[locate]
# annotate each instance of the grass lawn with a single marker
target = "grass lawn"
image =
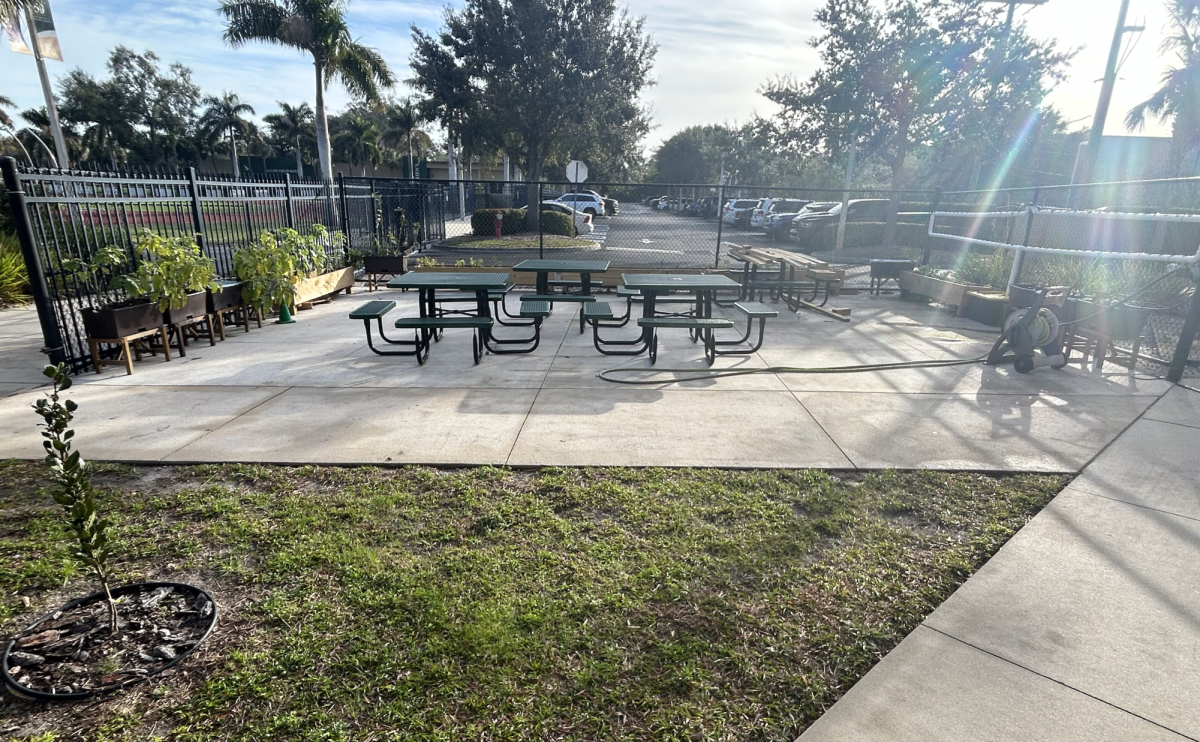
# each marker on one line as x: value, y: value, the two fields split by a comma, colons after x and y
x: 487, y: 604
x: 522, y: 241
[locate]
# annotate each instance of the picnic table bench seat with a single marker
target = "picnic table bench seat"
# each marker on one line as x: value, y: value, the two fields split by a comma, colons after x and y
x: 753, y: 310
x: 426, y: 328
x: 373, y: 310
x: 568, y: 283
x: 562, y: 298
x: 685, y: 323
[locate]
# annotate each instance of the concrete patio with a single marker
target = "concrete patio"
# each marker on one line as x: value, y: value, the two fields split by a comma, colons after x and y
x: 313, y: 392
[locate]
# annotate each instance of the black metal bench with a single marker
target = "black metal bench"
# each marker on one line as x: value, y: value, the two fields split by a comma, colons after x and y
x: 535, y: 312
x: 425, y: 327
x: 700, y: 329
x: 562, y: 299
x: 375, y: 310
x: 754, y: 311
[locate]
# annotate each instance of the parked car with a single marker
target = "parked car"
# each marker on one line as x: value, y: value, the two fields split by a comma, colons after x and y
x: 589, y: 202
x: 804, y: 226
x: 769, y: 206
x: 583, y: 222
x: 612, y: 206
x: 737, y: 212
x: 652, y: 202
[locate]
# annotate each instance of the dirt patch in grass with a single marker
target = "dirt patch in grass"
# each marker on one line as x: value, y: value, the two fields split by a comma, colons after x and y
x: 567, y: 604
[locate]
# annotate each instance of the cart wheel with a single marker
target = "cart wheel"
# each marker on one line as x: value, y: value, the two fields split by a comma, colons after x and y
x: 1023, y: 364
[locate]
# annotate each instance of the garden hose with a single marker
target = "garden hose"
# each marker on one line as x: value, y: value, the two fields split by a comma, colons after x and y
x: 693, y: 374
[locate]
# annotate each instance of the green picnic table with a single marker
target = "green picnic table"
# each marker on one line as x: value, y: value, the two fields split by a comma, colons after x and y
x: 543, y: 269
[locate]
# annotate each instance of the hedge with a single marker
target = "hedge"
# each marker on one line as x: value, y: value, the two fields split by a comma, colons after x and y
x: 483, y: 221
x: 554, y: 222
x: 868, y: 234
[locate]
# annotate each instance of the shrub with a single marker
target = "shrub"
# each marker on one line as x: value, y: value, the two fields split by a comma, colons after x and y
x: 14, y: 281
x: 869, y: 234
x: 555, y: 223
x: 483, y: 222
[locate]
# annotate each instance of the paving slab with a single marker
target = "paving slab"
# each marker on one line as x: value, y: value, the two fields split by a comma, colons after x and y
x: 642, y: 427
x: 988, y: 432
x: 1180, y: 406
x: 1099, y: 595
x: 227, y: 365
x: 1155, y: 465
x: 932, y: 688
x: 129, y: 423
x: 1065, y: 382
x: 895, y: 381
x: 392, y: 426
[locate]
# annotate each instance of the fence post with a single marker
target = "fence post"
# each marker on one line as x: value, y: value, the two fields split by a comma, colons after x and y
x: 1187, y: 336
x: 720, y: 220
x: 1014, y: 278
x: 51, y: 335
x: 933, y: 207
x: 343, y: 213
x: 197, y: 215
x: 541, y: 234
x: 291, y: 209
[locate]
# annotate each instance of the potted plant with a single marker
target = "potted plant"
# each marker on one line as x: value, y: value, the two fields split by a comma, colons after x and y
x: 168, y: 283
x: 319, y: 274
x: 945, y: 286
x: 114, y: 637
x: 390, y: 255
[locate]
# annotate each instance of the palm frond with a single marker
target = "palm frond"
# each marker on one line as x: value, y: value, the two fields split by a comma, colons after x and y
x: 255, y: 20
x: 362, y: 70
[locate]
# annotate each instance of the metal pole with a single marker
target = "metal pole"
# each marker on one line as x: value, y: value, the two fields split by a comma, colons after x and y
x: 1096, y: 137
x: 291, y: 208
x: 541, y: 234
x: 1187, y: 336
x: 841, y: 233
x: 1014, y: 277
x: 344, y: 211
x: 197, y: 214
x: 720, y: 213
x: 937, y: 201
x: 60, y: 144
x: 51, y: 335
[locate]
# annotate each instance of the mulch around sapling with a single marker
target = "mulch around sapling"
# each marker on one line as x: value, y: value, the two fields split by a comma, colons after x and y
x: 74, y: 651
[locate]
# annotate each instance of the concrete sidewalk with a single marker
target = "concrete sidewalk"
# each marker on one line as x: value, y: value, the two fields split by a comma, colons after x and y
x: 313, y: 392
x: 1085, y: 626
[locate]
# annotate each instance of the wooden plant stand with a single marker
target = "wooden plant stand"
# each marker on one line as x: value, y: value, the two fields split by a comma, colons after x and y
x: 186, y: 330
x: 132, y: 346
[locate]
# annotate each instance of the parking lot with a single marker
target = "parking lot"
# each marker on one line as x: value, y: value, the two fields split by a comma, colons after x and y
x: 638, y: 236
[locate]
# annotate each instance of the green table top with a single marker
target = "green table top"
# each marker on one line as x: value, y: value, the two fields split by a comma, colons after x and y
x: 562, y: 266
x: 453, y: 281
x: 671, y: 282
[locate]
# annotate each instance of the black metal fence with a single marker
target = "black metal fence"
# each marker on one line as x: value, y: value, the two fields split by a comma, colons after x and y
x: 69, y: 215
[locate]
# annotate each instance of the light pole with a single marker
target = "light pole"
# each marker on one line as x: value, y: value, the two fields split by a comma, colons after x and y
x: 1096, y: 136
x: 35, y: 46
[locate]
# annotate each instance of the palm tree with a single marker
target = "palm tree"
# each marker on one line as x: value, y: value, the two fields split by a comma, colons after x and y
x: 223, y: 115
x: 319, y: 28
x: 6, y: 125
x: 292, y: 124
x: 358, y: 141
x: 1178, y: 97
x: 8, y: 8
x: 401, y: 122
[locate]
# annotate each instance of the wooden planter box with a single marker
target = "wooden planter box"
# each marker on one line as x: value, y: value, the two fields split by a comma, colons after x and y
x: 326, y: 284
x: 394, y: 265
x: 109, y: 323
x: 226, y: 297
x: 944, y: 292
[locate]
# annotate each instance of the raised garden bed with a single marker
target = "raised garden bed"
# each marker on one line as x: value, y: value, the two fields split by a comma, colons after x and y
x: 950, y: 293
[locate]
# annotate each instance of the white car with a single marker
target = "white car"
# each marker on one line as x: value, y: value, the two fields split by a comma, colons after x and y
x: 589, y: 202
x: 583, y: 222
x: 768, y: 206
x: 736, y: 211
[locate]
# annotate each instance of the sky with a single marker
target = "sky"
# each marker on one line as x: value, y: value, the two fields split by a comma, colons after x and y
x: 712, y: 60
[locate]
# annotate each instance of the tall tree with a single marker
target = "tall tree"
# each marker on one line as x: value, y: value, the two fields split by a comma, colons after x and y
x: 358, y: 142
x: 1178, y: 97
x: 223, y: 115
x: 319, y: 28
x: 401, y: 122
x: 911, y: 75
x: 294, y: 125
x: 8, y: 127
x: 534, y: 78
x: 104, y: 111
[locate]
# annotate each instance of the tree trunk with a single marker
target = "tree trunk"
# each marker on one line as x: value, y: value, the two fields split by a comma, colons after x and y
x: 412, y: 172
x: 237, y: 172
x: 889, y: 228
x: 322, y: 126
x: 533, y: 211
x: 299, y: 162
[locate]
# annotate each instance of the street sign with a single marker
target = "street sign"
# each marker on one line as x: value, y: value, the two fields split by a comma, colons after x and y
x: 576, y: 172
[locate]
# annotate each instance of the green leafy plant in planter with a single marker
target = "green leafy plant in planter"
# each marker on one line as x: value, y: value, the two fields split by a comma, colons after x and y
x: 169, y: 273
x: 270, y: 268
x: 73, y: 486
